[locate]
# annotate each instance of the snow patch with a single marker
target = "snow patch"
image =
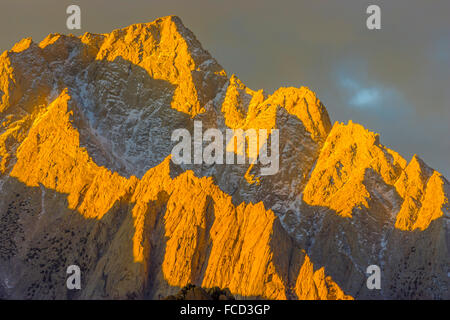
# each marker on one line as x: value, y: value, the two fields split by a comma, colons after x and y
x: 7, y: 284
x: 42, y: 202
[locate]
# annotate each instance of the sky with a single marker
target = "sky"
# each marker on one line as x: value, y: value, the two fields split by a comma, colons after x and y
x: 394, y: 81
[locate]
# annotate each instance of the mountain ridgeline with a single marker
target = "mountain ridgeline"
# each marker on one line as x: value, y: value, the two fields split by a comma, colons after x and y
x: 86, y: 179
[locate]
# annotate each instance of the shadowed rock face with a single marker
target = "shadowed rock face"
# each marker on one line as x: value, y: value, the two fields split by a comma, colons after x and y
x: 86, y: 179
x: 192, y: 292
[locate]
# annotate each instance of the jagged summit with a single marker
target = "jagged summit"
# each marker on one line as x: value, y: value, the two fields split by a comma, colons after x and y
x: 86, y: 178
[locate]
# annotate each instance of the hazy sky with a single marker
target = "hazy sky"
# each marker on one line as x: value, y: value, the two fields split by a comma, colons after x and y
x: 394, y: 81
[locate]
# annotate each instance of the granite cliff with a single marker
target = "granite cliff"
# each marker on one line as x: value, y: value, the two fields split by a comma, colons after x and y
x: 86, y: 178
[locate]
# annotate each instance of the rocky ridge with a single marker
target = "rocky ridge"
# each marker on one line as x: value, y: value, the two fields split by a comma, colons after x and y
x: 86, y: 179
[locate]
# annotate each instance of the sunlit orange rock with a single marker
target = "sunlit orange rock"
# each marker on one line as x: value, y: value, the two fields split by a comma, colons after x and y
x: 72, y: 193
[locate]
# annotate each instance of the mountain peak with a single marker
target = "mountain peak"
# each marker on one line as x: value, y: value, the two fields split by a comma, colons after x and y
x: 169, y: 51
x: 86, y: 176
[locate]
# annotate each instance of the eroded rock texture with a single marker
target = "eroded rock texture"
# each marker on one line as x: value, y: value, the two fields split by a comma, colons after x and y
x: 86, y: 178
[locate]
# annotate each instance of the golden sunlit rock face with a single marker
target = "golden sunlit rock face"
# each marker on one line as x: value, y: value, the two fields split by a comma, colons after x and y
x: 338, y: 180
x: 86, y: 178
